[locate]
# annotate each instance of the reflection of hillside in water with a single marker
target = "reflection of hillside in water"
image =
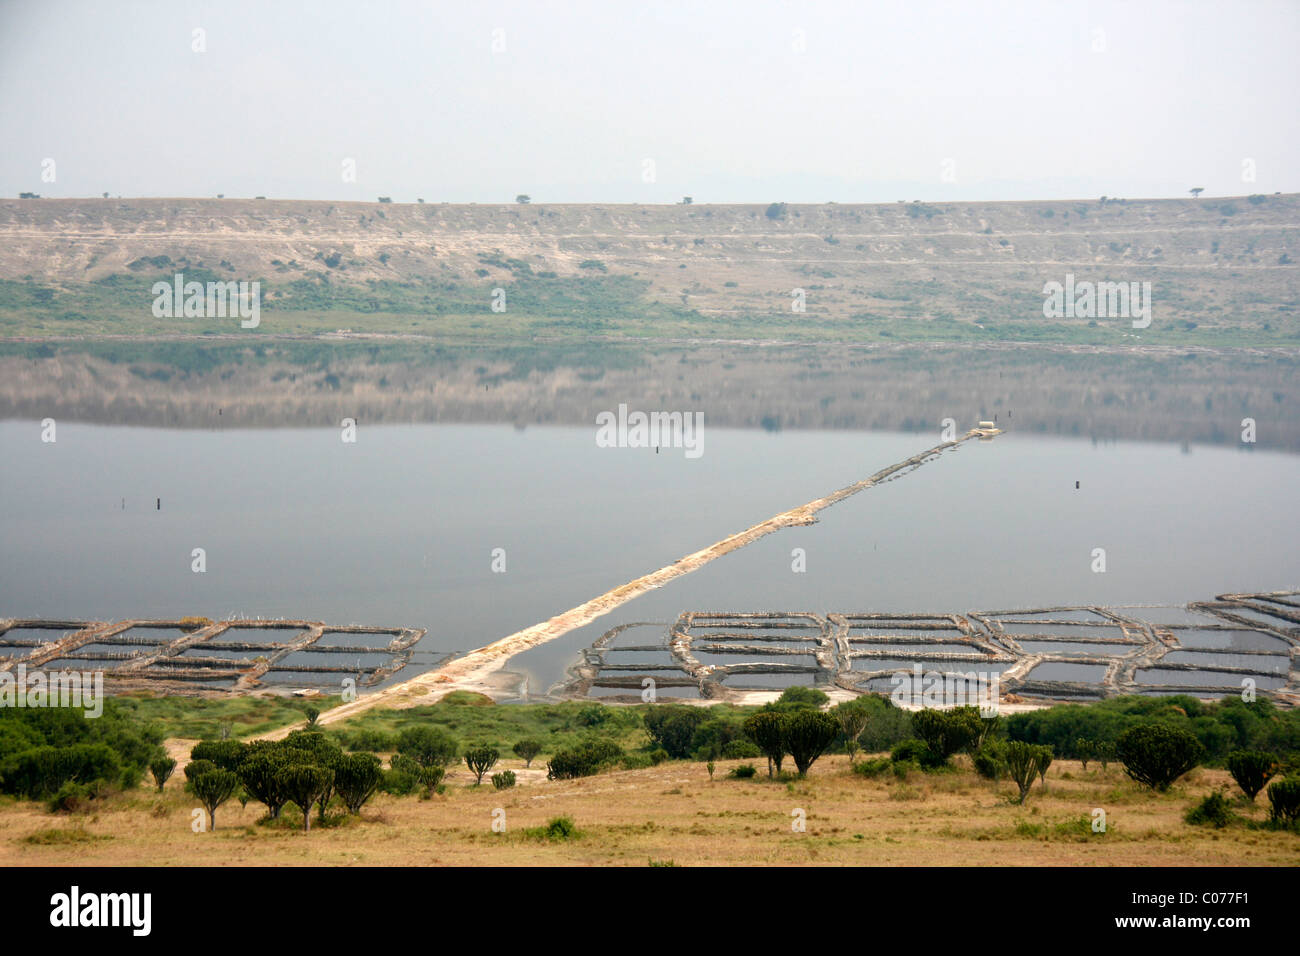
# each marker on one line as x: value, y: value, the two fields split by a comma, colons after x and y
x: 1179, y: 396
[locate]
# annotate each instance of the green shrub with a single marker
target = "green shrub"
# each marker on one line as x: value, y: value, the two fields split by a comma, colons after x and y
x: 874, y: 767
x: 558, y: 828
x: 990, y: 760
x: 405, y: 764
x: 428, y: 746
x: 744, y: 772
x: 70, y: 798
x: 582, y: 761
x: 592, y: 715
x: 795, y: 698
x: 42, y: 771
x: 637, y: 761
x: 917, y: 752
x: 398, y: 783
x: 1252, y: 769
x: 1158, y: 754
x: 720, y: 729
x: 370, y: 741
x: 1221, y: 727
x: 740, y: 749
x: 1211, y: 811
x: 503, y: 780
x: 603, y: 751
x: 887, y: 724
x: 561, y: 828
x: 673, y: 727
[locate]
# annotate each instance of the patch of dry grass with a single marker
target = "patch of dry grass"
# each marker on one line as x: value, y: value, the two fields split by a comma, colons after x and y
x: 673, y: 813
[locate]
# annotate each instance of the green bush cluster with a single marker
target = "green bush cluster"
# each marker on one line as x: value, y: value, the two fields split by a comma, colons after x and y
x: 1212, y: 811
x: 802, y: 733
x: 583, y: 761
x: 1221, y: 726
x: 44, y: 748
x: 306, y: 768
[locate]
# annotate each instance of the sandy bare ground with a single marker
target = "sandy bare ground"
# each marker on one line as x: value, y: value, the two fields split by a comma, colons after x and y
x: 479, y: 669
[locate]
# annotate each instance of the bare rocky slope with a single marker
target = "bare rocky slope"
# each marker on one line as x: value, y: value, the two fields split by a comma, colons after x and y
x: 1210, y: 260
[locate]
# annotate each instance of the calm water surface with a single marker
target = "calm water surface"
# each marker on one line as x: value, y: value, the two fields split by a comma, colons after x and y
x: 400, y: 527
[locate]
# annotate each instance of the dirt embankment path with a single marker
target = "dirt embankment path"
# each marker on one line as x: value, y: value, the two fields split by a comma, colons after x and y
x: 476, y: 669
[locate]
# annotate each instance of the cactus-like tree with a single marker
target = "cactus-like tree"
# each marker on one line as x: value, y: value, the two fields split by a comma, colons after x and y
x: 946, y: 732
x: 260, y: 775
x: 1158, y: 754
x: 430, y: 778
x: 1284, y: 801
x: 226, y: 754
x: 162, y: 769
x: 527, y: 749
x: 1086, y: 750
x: 303, y: 784
x: 480, y: 760
x: 356, y: 777
x: 213, y: 789
x: 1022, y: 762
x: 1252, y: 769
x: 852, y: 718
x: 1043, y: 760
x: 807, y: 734
x: 765, y: 730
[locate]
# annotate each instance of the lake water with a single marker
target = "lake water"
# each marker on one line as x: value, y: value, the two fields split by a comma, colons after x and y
x: 399, y: 528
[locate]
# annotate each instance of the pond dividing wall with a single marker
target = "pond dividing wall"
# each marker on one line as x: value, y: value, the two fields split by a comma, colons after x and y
x: 197, y: 656
x: 1210, y: 648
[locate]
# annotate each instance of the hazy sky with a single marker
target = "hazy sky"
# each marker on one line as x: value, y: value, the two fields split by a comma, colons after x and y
x: 732, y: 102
